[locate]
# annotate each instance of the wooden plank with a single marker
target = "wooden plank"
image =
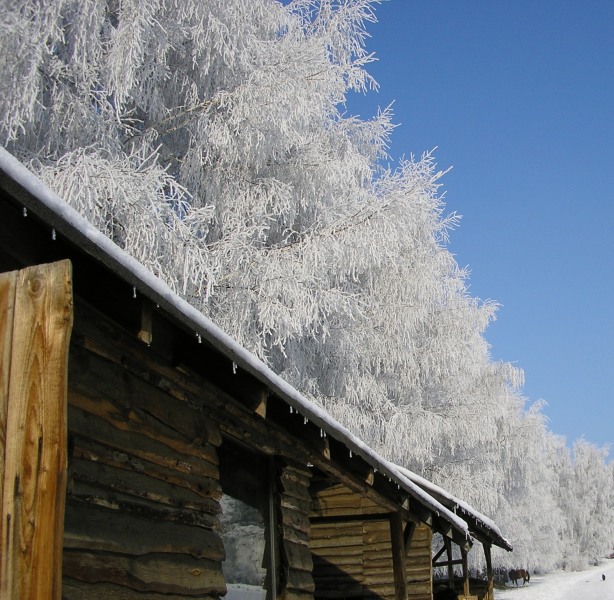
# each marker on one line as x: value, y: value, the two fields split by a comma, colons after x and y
x: 140, y: 485
x: 490, y: 594
x: 133, y: 396
x: 7, y: 305
x: 339, y: 541
x: 88, y: 450
x: 295, y: 520
x: 94, y: 528
x: 143, y: 446
x: 297, y: 556
x: 397, y: 540
x: 299, y: 580
x: 72, y: 589
x: 91, y: 493
x: 159, y: 573
x: 34, y: 478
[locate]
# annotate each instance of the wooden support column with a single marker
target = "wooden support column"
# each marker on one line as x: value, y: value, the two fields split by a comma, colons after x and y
x: 465, y: 572
x: 448, y: 546
x: 397, y: 539
x: 35, y: 325
x: 489, y: 572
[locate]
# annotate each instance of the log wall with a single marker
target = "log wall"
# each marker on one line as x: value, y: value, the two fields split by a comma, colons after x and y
x: 143, y: 489
x: 353, y: 556
x: 144, y: 482
x: 419, y: 565
x: 295, y: 531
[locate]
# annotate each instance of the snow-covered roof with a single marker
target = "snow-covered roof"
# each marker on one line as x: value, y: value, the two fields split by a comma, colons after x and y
x: 66, y: 221
x: 479, y: 525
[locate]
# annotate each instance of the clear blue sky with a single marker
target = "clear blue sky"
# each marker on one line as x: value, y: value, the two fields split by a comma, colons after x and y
x: 518, y: 97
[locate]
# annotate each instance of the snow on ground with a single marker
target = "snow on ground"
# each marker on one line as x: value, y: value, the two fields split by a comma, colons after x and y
x: 580, y: 585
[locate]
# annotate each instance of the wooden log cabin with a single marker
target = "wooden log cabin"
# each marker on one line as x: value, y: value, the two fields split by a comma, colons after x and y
x: 146, y: 455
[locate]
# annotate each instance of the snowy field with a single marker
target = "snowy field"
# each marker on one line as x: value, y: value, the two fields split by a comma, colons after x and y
x: 583, y: 585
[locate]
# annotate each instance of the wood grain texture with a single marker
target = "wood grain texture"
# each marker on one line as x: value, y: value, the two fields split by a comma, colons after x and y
x: 34, y: 477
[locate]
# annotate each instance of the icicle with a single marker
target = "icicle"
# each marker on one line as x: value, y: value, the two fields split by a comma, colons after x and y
x: 291, y: 411
x: 200, y: 340
x: 53, y: 233
x: 134, y: 291
x: 305, y: 421
x: 234, y: 367
x: 350, y: 454
x: 25, y: 211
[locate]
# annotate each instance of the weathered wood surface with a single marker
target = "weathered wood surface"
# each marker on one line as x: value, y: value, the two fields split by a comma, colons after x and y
x: 154, y: 572
x: 398, y: 556
x: 35, y: 324
x: 293, y: 501
x: 190, y: 385
x: 103, y: 529
x: 355, y: 557
x: 419, y: 567
x: 79, y: 590
x: 143, y: 496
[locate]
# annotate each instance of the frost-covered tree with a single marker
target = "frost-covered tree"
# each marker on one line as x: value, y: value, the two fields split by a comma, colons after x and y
x: 210, y: 140
x: 585, y: 495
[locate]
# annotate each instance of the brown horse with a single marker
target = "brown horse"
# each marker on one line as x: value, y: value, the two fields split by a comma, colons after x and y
x: 516, y: 574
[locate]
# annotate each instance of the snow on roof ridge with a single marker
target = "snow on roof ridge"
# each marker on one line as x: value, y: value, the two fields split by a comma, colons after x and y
x: 429, y: 485
x: 139, y: 276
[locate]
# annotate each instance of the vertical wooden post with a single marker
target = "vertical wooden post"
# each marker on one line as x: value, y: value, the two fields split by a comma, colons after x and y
x: 465, y: 572
x: 448, y: 545
x: 397, y: 539
x: 35, y: 325
x: 489, y: 573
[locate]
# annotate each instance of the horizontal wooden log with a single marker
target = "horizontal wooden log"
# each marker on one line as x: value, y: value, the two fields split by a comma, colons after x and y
x: 341, y: 591
x: 294, y: 489
x: 88, y: 450
x: 295, y: 504
x: 297, y: 556
x: 325, y: 556
x: 381, y: 560
x: 131, y: 420
x: 295, y: 519
x: 289, y: 594
x: 190, y: 387
x: 340, y: 541
x: 299, y: 580
x: 328, y: 571
x: 72, y: 589
x: 95, y: 528
x: 331, y: 528
x: 129, y: 393
x: 332, y: 553
x: 139, y: 485
x: 419, y: 572
x: 160, y: 573
x: 292, y: 535
x: 297, y: 473
x: 106, y: 498
x: 142, y: 446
